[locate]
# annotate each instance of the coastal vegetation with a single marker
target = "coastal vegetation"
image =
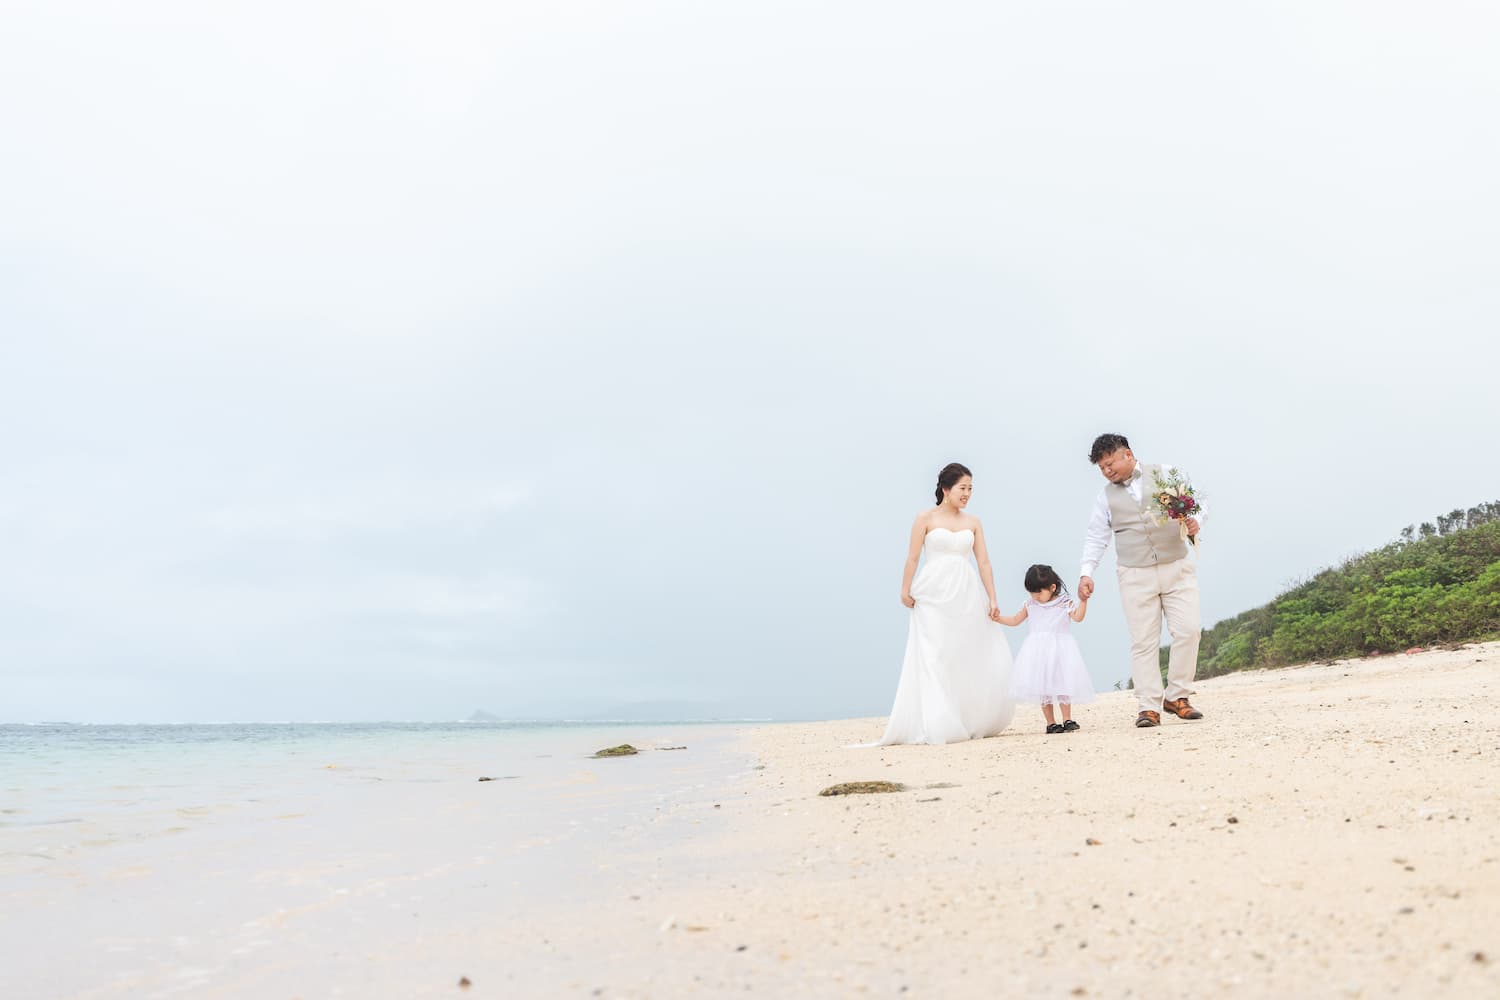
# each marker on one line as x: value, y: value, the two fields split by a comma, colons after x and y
x: 1438, y: 583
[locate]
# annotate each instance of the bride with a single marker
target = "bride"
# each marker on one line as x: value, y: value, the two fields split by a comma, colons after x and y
x: 955, y: 679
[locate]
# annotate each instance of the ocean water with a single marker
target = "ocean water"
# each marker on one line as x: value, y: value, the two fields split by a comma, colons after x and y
x: 131, y: 780
x: 148, y: 860
x: 59, y: 773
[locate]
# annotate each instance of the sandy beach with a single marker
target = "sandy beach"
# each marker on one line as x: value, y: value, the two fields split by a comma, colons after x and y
x: 1327, y: 830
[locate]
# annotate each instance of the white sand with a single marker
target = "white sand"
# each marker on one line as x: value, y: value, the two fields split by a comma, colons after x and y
x: 1364, y: 862
x: 1330, y: 830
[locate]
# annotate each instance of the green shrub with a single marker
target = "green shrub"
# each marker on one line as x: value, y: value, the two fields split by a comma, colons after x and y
x: 1438, y: 584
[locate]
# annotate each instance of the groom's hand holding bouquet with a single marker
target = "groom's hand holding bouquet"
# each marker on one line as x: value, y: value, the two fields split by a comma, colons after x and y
x: 1176, y: 500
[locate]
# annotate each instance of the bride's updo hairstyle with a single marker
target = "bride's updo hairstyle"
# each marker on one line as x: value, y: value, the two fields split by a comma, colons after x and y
x: 949, y: 477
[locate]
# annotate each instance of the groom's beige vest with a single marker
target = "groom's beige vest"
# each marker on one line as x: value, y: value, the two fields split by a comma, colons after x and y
x: 1140, y: 541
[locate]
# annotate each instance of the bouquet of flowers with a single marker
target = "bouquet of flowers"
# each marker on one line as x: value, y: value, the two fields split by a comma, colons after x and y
x: 1176, y: 500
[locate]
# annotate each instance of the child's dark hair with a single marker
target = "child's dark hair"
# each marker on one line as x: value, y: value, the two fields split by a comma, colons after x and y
x: 1040, y: 578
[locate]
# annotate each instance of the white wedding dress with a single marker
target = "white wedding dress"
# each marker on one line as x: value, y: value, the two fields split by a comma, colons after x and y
x: 955, y: 680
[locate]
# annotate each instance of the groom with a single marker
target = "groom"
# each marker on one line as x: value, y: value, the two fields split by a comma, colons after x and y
x: 1157, y: 579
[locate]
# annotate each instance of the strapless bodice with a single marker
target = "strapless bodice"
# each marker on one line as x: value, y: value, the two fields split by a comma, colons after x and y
x: 945, y: 542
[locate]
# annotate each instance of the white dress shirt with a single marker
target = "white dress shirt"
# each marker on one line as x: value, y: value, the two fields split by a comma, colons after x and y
x: 1101, y: 525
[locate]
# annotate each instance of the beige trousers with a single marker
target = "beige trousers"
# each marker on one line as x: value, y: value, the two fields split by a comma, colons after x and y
x: 1148, y: 594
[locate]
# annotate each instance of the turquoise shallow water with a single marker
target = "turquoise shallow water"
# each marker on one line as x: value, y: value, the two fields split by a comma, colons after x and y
x: 143, y: 860
x: 61, y: 773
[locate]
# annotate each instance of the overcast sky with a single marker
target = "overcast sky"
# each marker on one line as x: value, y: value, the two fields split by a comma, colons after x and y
x: 389, y: 361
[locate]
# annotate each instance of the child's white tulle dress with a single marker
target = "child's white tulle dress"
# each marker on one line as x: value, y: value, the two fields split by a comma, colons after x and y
x: 1050, y: 668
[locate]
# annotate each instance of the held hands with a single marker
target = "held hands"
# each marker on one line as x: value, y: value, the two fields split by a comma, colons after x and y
x: 1086, y: 583
x: 1015, y: 619
x: 908, y: 600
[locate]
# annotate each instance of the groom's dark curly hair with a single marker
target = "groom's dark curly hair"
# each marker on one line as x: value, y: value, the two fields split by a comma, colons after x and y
x: 1106, y: 444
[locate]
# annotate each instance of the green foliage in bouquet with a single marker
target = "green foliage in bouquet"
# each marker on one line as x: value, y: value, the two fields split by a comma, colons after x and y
x: 1174, y: 498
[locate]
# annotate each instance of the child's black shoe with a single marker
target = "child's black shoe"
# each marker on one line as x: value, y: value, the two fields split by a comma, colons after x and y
x: 1054, y: 728
x: 1070, y: 726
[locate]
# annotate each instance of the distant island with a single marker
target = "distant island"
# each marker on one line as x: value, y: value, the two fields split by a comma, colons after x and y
x: 1437, y: 584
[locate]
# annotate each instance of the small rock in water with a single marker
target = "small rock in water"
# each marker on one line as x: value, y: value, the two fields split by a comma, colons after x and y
x: 863, y: 788
x: 623, y: 750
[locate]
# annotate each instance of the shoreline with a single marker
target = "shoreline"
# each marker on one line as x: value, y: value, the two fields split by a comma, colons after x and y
x: 1327, y: 830
x: 302, y: 869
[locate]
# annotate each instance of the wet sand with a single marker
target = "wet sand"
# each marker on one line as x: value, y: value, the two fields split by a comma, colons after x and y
x: 1326, y: 831
x: 1329, y: 830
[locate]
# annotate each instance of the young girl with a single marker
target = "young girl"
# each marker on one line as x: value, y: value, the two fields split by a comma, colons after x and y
x: 1049, y: 668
